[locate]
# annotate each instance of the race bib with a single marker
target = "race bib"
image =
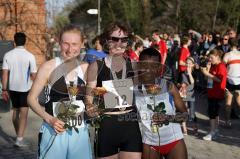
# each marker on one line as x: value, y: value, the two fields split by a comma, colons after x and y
x: 119, y: 93
x: 78, y: 120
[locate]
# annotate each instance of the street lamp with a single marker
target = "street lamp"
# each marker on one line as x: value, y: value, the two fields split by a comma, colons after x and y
x: 97, y: 11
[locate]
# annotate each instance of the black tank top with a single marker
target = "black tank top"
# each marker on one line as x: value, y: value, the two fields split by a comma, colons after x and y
x: 104, y: 74
x: 59, y: 92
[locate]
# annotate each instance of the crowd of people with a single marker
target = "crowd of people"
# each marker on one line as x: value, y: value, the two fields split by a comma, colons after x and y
x: 140, y: 91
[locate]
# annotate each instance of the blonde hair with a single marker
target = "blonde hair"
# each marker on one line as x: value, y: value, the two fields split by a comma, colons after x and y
x: 191, y: 59
x: 70, y: 28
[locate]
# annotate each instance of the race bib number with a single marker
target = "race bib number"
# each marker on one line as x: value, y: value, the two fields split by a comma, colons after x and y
x: 78, y: 120
x: 119, y: 93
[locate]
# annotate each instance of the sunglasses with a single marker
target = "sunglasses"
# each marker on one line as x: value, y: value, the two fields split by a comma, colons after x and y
x: 225, y: 39
x: 116, y: 39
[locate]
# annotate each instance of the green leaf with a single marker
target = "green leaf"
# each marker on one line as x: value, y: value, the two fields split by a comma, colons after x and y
x: 157, y: 109
x: 162, y: 105
x: 76, y: 129
x: 150, y: 107
x: 74, y: 106
x: 163, y: 111
x: 166, y: 123
x: 65, y: 126
x: 97, y: 125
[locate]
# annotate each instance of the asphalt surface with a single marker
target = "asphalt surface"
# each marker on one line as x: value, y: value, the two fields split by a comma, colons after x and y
x: 227, y: 145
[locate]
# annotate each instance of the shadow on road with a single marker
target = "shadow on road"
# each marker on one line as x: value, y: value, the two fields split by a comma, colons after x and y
x: 228, y: 136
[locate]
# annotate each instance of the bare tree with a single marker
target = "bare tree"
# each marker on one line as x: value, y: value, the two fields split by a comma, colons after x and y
x: 25, y: 16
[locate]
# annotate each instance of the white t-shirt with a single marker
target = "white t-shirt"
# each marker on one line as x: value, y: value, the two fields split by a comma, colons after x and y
x: 168, y: 133
x: 232, y: 60
x: 20, y: 64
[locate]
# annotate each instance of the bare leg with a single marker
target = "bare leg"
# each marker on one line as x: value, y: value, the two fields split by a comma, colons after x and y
x: 132, y: 155
x: 179, y: 151
x: 212, y: 125
x: 237, y: 95
x: 228, y: 107
x: 184, y: 125
x: 116, y: 156
x: 22, y: 121
x: 149, y: 153
x: 15, y: 119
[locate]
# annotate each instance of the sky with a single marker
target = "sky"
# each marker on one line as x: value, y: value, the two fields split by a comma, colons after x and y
x: 53, y: 8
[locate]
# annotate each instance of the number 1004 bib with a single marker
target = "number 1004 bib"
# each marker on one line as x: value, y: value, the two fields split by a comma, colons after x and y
x: 119, y: 93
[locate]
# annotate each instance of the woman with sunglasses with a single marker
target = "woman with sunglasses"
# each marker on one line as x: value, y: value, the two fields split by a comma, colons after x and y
x: 119, y: 135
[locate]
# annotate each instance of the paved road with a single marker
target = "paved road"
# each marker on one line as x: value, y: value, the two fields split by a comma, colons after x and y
x: 227, y: 144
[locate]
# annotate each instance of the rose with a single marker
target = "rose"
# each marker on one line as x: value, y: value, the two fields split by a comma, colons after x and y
x: 153, y: 89
x: 99, y: 91
x: 73, y: 91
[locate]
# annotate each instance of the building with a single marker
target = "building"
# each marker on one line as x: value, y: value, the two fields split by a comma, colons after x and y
x: 28, y: 16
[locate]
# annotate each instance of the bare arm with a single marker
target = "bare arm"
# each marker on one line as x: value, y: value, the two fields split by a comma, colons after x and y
x: 179, y: 104
x: 4, y: 85
x: 206, y: 72
x: 39, y: 83
x: 225, y: 58
x: 189, y: 70
x: 164, y: 58
x: 33, y: 76
x: 182, y: 63
x: 91, y: 83
x: 4, y: 79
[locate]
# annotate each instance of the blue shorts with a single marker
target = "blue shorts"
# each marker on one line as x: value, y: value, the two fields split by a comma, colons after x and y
x: 68, y: 145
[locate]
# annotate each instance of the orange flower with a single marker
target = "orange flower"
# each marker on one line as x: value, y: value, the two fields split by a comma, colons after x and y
x: 153, y: 89
x: 73, y: 91
x: 99, y: 91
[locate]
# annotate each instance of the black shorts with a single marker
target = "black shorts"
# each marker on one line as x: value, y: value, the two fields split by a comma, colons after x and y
x: 116, y: 134
x: 232, y: 87
x: 213, y: 107
x: 19, y: 99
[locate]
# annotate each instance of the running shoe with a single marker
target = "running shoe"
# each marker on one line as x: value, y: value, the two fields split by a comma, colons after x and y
x: 21, y: 143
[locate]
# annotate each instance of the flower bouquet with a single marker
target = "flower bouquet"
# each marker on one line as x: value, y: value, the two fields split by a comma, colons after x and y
x: 155, y: 89
x: 67, y: 111
x: 98, y: 94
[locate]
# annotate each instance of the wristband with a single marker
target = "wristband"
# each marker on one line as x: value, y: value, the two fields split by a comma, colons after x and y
x: 4, y: 90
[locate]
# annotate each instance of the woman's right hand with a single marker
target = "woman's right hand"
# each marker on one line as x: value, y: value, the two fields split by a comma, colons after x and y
x: 189, y: 69
x: 92, y: 111
x: 57, y: 124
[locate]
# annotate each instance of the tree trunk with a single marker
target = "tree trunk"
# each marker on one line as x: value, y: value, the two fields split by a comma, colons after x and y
x: 215, y: 16
x: 178, y: 20
x: 146, y: 16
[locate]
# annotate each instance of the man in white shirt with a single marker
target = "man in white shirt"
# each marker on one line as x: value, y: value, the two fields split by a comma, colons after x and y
x: 232, y: 60
x: 18, y: 72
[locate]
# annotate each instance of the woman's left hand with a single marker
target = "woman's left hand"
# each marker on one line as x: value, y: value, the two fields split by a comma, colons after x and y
x: 159, y: 118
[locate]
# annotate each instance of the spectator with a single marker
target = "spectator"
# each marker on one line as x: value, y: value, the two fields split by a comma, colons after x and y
x: 188, y: 78
x: 216, y: 73
x: 134, y: 55
x: 96, y: 53
x: 160, y: 45
x: 224, y: 47
x: 19, y: 68
x: 232, y: 60
x: 184, y: 54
